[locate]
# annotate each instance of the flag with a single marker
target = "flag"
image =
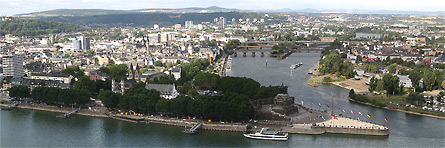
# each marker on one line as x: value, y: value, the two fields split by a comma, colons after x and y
x: 344, y: 110
x: 369, y: 116
x: 360, y: 113
x: 352, y: 112
x: 386, y: 119
x: 327, y: 106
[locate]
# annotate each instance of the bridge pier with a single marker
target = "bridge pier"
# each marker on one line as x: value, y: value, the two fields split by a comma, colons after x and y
x: 262, y: 54
x: 253, y: 54
x: 244, y: 54
x: 235, y: 54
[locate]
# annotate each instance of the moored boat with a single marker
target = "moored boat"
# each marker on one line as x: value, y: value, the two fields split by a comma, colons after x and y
x: 264, y: 134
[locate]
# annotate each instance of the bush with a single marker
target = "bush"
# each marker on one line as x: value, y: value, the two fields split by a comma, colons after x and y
x: 327, y: 79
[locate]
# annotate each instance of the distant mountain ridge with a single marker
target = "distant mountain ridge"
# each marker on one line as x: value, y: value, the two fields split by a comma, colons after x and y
x: 212, y: 9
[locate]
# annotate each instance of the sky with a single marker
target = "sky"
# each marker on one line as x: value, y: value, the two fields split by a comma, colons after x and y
x: 11, y: 7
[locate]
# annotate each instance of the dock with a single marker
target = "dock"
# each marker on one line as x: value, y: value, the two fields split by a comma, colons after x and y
x: 10, y: 106
x: 192, y: 130
x: 68, y: 114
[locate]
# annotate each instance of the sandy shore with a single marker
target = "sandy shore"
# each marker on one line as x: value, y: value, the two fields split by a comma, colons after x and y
x: 357, y: 85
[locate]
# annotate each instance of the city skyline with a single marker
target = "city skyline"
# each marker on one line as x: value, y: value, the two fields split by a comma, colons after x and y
x: 9, y: 8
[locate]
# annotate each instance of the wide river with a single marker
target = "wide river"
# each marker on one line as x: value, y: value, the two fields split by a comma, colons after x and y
x: 29, y: 128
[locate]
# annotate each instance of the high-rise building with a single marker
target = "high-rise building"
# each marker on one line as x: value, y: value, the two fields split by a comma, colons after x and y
x: 77, y: 44
x: 188, y: 24
x: 177, y: 26
x: 222, y: 22
x: 13, y: 65
x: 86, y: 44
x: 83, y: 41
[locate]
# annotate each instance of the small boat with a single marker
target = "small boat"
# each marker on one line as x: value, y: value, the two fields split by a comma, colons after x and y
x: 264, y: 134
x: 294, y: 66
x: 309, y: 72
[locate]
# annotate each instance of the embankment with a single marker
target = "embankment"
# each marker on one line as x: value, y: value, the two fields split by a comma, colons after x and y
x: 400, y: 110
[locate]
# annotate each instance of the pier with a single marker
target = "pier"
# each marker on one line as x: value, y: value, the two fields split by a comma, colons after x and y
x: 10, y: 106
x: 68, y: 114
x: 192, y: 130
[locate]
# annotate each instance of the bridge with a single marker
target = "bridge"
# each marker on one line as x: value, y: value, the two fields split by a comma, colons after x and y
x: 193, y: 129
x: 10, y: 106
x: 254, y: 49
x: 68, y: 114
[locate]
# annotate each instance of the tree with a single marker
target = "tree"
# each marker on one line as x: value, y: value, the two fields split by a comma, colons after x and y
x: 105, y: 70
x: 231, y: 44
x: 70, y: 70
x: 179, y: 105
x: 84, y: 83
x: 443, y: 84
x: 19, y: 92
x: 192, y: 93
x: 118, y: 72
x: 392, y: 68
x: 163, y: 105
x: 109, y: 98
x: 415, y: 77
x: 185, y: 88
x: 90, y: 52
x: 415, y: 98
x: 159, y: 63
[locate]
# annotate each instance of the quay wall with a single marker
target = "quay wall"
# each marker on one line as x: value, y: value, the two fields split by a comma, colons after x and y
x: 205, y: 125
x: 355, y: 131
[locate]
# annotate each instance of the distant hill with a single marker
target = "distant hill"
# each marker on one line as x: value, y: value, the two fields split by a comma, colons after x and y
x: 141, y: 19
x: 74, y: 12
x: 28, y: 27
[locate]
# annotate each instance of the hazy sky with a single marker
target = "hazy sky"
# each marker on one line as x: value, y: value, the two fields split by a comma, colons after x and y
x: 11, y: 7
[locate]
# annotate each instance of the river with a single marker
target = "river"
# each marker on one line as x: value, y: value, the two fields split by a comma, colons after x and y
x: 29, y: 128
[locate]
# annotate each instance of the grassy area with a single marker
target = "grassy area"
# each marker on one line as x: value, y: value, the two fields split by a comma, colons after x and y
x: 390, y: 102
x: 315, y: 80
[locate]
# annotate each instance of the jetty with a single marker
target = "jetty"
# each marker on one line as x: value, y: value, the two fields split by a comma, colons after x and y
x: 192, y: 130
x: 68, y: 114
x: 10, y: 106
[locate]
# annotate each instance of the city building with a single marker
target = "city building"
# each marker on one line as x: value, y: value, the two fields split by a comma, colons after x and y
x: 168, y: 91
x: 13, y: 65
x: 188, y: 24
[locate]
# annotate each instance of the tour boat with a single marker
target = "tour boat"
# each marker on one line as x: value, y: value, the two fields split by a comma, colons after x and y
x: 264, y: 134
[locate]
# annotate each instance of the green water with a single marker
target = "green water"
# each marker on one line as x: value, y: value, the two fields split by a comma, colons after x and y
x: 29, y: 128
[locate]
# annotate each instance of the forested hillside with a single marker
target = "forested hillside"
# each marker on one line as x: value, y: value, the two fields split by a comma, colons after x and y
x: 28, y: 27
x: 143, y: 19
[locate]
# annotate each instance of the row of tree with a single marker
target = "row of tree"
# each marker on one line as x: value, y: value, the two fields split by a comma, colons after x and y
x: 58, y: 96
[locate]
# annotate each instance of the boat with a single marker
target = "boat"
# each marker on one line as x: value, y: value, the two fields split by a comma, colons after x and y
x: 294, y: 66
x: 309, y: 72
x: 264, y: 134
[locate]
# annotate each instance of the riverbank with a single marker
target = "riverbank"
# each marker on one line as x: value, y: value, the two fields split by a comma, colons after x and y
x: 395, y: 109
x: 237, y: 127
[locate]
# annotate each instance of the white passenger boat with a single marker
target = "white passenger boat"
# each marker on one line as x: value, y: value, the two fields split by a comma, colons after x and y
x: 264, y: 134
